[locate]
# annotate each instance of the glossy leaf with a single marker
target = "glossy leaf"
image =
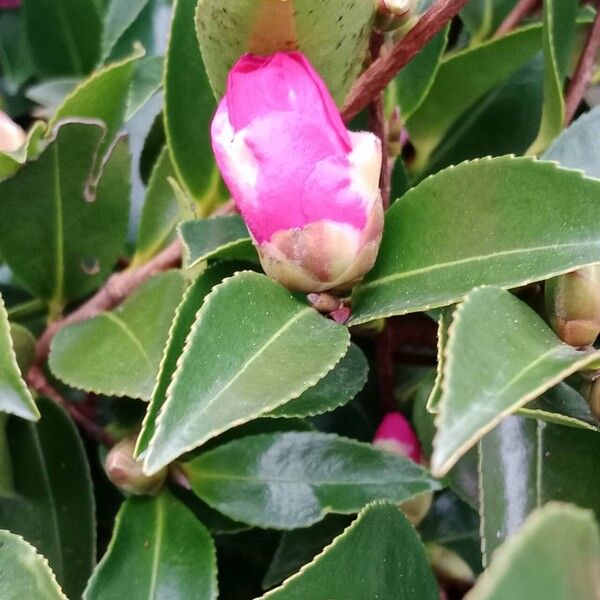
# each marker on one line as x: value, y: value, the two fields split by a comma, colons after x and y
x: 337, y: 388
x: 559, y: 33
x: 218, y: 237
x: 189, y: 107
x: 15, y: 398
x: 11, y: 162
x: 525, y: 463
x: 159, y: 550
x: 561, y: 405
x: 500, y: 355
x: 161, y: 213
x: 259, y: 346
x: 147, y: 80
x: 118, y: 353
x: 16, y: 64
x: 182, y: 323
x: 69, y: 235
x: 464, y: 78
x: 23, y: 572
x: 395, y: 554
x: 64, y: 35
x: 119, y: 17
x: 505, y: 121
x: 578, y: 146
x: 298, y: 547
x: 443, y: 253
x: 53, y: 505
x: 103, y: 96
x: 411, y: 86
x: 555, y: 556
x: 334, y: 35
x: 291, y: 480
x: 483, y: 17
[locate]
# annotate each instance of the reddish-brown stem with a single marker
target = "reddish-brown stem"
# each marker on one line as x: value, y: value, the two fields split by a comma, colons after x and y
x: 374, y: 80
x: 518, y: 13
x: 585, y: 68
x: 37, y: 380
x: 115, y: 290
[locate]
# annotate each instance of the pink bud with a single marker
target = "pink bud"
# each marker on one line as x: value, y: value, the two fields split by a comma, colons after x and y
x: 395, y: 434
x: 10, y: 4
x: 12, y: 137
x: 307, y: 188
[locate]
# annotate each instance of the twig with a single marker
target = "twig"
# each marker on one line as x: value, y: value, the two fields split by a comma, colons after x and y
x: 374, y: 80
x: 518, y: 13
x: 583, y: 72
x: 38, y: 382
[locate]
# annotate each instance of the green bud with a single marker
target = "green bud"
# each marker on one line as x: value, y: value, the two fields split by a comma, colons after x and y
x: 126, y: 473
x: 573, y: 306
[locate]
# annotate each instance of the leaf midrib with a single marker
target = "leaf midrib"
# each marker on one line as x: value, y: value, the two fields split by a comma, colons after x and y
x: 471, y: 259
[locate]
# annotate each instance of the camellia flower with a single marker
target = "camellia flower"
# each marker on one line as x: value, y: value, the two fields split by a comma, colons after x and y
x: 307, y: 188
x: 12, y: 137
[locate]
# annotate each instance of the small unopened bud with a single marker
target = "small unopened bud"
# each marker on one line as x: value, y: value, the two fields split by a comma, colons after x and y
x: 395, y: 434
x: 126, y: 474
x: 12, y: 137
x: 591, y: 392
x: 573, y: 306
x: 392, y: 14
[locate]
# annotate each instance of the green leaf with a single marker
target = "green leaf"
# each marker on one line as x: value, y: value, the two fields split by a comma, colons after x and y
x: 182, y: 323
x: 161, y: 213
x: 483, y: 17
x: 334, y: 35
x: 259, y: 346
x: 53, y: 506
x: 189, y: 106
x: 464, y: 78
x: 119, y: 17
x: 15, y: 58
x: 577, y: 147
x: 64, y: 35
x: 158, y: 550
x: 433, y: 250
x: 291, y: 480
x: 500, y: 355
x: 298, y: 547
x: 337, y: 388
x: 104, y: 96
x: 15, y: 398
x: 559, y: 34
x: 118, y: 353
x: 525, y: 463
x: 378, y: 556
x: 69, y: 234
x: 147, y: 80
x: 505, y: 121
x: 561, y: 405
x: 555, y: 556
x: 11, y: 162
x: 224, y: 237
x: 411, y: 86
x: 23, y: 572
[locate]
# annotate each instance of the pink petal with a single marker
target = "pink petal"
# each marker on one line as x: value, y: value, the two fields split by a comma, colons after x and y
x: 284, y: 82
x: 396, y: 429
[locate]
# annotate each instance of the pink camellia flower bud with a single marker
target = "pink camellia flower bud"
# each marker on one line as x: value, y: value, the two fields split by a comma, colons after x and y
x: 395, y: 434
x: 12, y: 137
x: 307, y: 188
